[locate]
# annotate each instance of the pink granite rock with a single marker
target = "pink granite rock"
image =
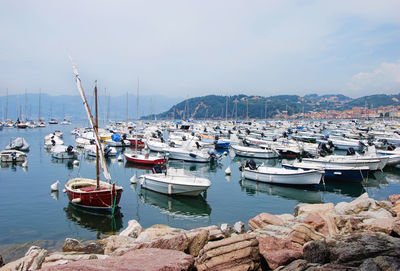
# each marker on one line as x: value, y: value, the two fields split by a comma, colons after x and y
x: 264, y: 219
x: 149, y: 259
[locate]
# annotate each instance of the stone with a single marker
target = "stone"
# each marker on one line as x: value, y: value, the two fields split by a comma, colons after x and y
x: 226, y: 229
x: 149, y: 259
x: 377, y: 214
x: 322, y: 223
x: 264, y: 219
x: 360, y: 204
x: 197, y: 240
x: 73, y: 245
x: 321, y: 208
x: 352, y: 249
x: 393, y: 198
x: 298, y: 265
x: 32, y: 260
x: 380, y: 263
x: 278, y: 252
x: 348, y: 223
x: 286, y: 218
x: 214, y: 233
x: 133, y: 230
x: 58, y: 258
x: 384, y: 225
x: 156, y: 231
x: 396, y: 208
x: 396, y: 228
x: 239, y: 228
x: 303, y: 233
x: 239, y: 252
x: 115, y: 242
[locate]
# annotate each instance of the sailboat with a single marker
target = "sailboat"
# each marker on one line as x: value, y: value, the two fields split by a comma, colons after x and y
x: 88, y: 193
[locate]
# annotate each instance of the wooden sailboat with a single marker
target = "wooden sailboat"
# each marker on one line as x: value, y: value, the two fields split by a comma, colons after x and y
x: 89, y: 193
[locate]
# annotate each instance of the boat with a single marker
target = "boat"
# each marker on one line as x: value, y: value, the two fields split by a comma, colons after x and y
x: 19, y: 144
x: 64, y: 152
x: 174, y: 182
x: 190, y: 154
x: 12, y: 156
x: 53, y: 121
x: 88, y: 193
x: 108, y: 151
x: 343, y: 160
x: 334, y: 172
x: 145, y: 159
x: 277, y: 175
x: 253, y: 152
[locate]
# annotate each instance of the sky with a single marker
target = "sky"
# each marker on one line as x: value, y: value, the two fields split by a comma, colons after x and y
x: 193, y: 48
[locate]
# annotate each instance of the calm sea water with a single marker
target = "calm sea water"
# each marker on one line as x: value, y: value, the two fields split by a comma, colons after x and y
x: 29, y: 211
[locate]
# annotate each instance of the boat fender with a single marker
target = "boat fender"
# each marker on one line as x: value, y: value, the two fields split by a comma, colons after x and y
x: 193, y: 155
x: 169, y: 189
x: 76, y: 200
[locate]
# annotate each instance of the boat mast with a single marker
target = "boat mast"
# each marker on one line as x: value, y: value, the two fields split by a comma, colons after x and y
x: 7, y: 105
x: 40, y: 94
x: 96, y: 127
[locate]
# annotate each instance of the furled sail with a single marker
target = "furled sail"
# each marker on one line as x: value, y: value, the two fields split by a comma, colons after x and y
x: 103, y: 164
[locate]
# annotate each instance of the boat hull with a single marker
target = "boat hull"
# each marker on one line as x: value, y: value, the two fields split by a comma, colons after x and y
x: 83, y: 193
x: 144, y: 160
x: 188, y: 156
x: 312, y: 177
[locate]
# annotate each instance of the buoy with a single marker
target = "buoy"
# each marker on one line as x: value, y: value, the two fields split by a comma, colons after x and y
x: 225, y: 153
x: 76, y: 200
x: 25, y: 164
x: 76, y: 163
x: 54, y: 186
x: 120, y: 158
x: 228, y: 171
x: 133, y: 179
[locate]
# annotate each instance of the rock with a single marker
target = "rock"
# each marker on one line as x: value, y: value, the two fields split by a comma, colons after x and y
x: 393, y: 198
x: 303, y: 233
x: 377, y: 214
x: 278, y: 252
x: 58, y: 258
x: 149, y: 259
x: 380, y: 263
x: 156, y: 231
x: 348, y: 223
x: 352, y: 249
x: 322, y: 223
x: 32, y: 260
x: 239, y: 227
x: 133, y: 230
x: 396, y: 208
x: 235, y: 253
x: 322, y: 208
x: 1, y: 261
x: 73, y: 245
x: 396, y: 228
x: 197, y: 240
x: 298, y: 265
x: 214, y: 233
x: 384, y: 225
x: 115, y: 242
x: 226, y: 229
x: 361, y: 204
x: 287, y: 218
x: 264, y: 219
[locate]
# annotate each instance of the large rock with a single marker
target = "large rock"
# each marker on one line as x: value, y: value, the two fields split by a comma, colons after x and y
x: 226, y: 229
x: 73, y: 245
x: 115, y: 242
x: 264, y: 219
x: 360, y: 204
x: 306, y: 208
x: 278, y: 252
x: 353, y: 249
x: 32, y: 260
x: 385, y: 225
x: 133, y: 230
x: 393, y: 198
x: 321, y: 222
x: 214, y: 233
x: 303, y: 233
x: 239, y: 252
x: 157, y: 231
x: 239, y: 228
x: 58, y: 258
x: 348, y: 223
x: 197, y: 240
x: 149, y: 259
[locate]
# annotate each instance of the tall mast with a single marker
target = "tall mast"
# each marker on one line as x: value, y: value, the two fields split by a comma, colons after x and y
x: 137, y: 100
x: 7, y: 104
x: 40, y: 94
x: 26, y: 106
x: 226, y: 109
x: 247, y: 108
x: 127, y: 107
x: 96, y: 128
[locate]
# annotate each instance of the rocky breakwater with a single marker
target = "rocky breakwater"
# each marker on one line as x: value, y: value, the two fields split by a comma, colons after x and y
x: 358, y: 235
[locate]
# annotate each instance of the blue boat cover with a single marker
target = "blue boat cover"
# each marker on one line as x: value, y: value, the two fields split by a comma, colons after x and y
x: 116, y: 137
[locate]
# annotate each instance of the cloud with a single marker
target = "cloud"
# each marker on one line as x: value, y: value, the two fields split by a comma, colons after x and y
x: 383, y: 79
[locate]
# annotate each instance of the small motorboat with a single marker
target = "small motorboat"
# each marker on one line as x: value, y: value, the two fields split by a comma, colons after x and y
x: 174, y: 182
x: 12, y: 156
x: 64, y: 152
x: 19, y: 144
x: 254, y: 152
x: 145, y: 159
x: 281, y: 175
x: 108, y: 151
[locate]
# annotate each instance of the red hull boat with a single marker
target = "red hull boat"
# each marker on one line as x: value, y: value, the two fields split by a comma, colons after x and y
x: 136, y: 143
x: 145, y: 159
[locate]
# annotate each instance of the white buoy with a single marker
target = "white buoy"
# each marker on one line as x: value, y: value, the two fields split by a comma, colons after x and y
x: 133, y: 179
x: 225, y: 153
x: 228, y: 171
x: 25, y: 163
x: 76, y: 163
x: 120, y: 158
x: 54, y: 186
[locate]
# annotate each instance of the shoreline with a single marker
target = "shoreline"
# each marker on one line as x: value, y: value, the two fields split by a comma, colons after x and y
x: 348, y: 235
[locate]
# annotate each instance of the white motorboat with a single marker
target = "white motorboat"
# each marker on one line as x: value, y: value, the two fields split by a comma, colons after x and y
x: 191, y: 155
x: 255, y: 152
x: 174, y: 182
x: 281, y: 175
x: 348, y: 161
x: 55, y: 140
x: 63, y: 152
x: 107, y: 150
x: 18, y: 144
x: 157, y: 145
x: 12, y: 156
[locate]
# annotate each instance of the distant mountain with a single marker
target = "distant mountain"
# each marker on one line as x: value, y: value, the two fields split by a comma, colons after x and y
x: 243, y: 106
x: 71, y: 106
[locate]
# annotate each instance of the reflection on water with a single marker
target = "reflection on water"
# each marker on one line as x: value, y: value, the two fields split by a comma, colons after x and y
x: 54, y: 194
x: 300, y: 194
x: 97, y: 222
x: 351, y: 189
x: 67, y: 162
x: 177, y: 206
x: 267, y: 162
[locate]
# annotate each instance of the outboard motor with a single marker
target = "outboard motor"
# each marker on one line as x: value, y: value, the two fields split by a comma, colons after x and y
x: 14, y: 156
x: 350, y: 151
x: 247, y: 131
x: 92, y: 142
x: 69, y: 149
x: 162, y: 140
x: 157, y: 169
x: 245, y: 143
x: 362, y: 146
x: 205, y: 129
x: 391, y: 147
x: 184, y: 138
x: 284, y: 135
x: 197, y: 145
x: 251, y: 164
x: 124, y: 136
x: 216, y: 137
x: 107, y: 150
x: 53, y: 142
x: 213, y: 155
x: 172, y: 144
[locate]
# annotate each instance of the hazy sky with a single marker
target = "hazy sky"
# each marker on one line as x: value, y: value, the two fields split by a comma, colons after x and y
x: 192, y: 48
